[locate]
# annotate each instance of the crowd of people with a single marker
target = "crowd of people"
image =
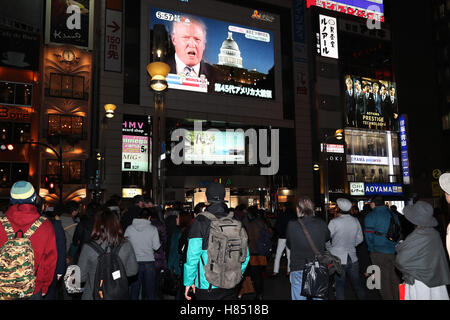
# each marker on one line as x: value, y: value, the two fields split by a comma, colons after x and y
x: 144, y: 252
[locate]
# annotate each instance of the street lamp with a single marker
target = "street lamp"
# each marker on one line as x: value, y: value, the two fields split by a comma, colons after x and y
x: 100, y: 155
x: 338, y: 135
x: 158, y: 72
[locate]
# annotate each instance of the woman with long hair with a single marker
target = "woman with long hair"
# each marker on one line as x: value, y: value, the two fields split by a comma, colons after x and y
x: 296, y: 241
x: 108, y: 234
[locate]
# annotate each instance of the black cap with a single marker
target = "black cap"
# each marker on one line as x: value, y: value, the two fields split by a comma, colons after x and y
x: 215, y: 191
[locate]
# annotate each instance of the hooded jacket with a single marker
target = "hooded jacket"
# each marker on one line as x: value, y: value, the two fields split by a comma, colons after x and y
x: 21, y: 217
x: 197, y: 256
x: 378, y: 220
x: 422, y: 257
x: 144, y: 238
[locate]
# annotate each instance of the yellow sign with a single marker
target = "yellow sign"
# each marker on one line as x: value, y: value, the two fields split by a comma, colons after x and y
x: 436, y: 189
x: 436, y: 173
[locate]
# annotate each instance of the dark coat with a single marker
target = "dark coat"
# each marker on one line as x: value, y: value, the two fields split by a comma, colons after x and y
x: 160, y: 254
x: 82, y: 233
x: 282, y: 221
x: 421, y: 256
x: 211, y: 74
x: 129, y: 215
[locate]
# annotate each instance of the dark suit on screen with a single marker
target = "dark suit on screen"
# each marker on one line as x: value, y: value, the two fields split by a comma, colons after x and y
x: 350, y: 107
x: 211, y: 74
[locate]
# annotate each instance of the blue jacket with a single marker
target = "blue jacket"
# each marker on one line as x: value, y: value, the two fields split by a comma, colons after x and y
x: 378, y: 220
x: 197, y: 256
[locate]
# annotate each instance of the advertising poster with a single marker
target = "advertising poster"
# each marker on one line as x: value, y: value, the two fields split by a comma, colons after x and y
x: 19, y: 49
x: 370, y: 103
x: 369, y: 9
x: 212, y: 56
x: 135, y: 143
x: 215, y: 146
x: 70, y: 22
x: 372, y: 156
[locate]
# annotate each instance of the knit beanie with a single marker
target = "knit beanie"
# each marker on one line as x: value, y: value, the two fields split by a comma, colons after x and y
x: 22, y: 192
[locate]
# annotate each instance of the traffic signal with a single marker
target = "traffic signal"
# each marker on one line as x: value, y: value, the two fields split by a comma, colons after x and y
x: 7, y: 147
x: 51, y: 186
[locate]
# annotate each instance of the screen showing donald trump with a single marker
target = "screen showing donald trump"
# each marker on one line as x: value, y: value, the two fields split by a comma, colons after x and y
x: 212, y: 56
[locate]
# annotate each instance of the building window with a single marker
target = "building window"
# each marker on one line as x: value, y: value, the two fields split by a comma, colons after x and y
x: 71, y: 170
x: 10, y: 172
x: 14, y: 132
x: 66, y: 86
x: 65, y: 125
x: 16, y: 94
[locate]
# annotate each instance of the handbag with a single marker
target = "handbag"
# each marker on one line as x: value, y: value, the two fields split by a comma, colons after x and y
x: 169, y: 282
x: 316, y: 274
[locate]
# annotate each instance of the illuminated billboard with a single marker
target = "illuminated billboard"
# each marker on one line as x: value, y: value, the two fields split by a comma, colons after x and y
x: 213, y: 56
x: 370, y: 103
x: 214, y: 146
x: 368, y: 9
x: 135, y: 143
x: 372, y: 156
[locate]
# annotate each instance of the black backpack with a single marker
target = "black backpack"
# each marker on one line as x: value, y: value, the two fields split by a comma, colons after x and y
x: 394, y: 230
x: 110, y: 282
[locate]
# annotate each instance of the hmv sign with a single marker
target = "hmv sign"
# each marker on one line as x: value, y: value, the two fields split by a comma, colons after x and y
x: 70, y: 22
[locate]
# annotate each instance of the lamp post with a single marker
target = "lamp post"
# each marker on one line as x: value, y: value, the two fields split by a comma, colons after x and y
x: 101, y: 168
x: 158, y: 72
x: 339, y: 136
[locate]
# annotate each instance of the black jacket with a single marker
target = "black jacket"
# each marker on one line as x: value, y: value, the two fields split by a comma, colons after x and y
x: 211, y: 74
x: 301, y: 251
x: 83, y: 233
x: 283, y: 219
x: 129, y: 215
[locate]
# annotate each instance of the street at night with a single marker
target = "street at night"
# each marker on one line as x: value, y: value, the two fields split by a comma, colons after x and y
x: 225, y: 158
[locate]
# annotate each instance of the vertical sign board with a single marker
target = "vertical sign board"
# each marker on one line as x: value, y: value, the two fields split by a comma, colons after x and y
x: 404, y: 149
x: 135, y: 143
x: 70, y: 23
x: 113, y: 40
x: 328, y: 37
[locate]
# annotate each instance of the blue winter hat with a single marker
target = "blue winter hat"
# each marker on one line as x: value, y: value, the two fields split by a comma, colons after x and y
x: 22, y: 192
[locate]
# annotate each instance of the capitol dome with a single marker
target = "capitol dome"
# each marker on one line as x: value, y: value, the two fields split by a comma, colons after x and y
x: 230, y: 55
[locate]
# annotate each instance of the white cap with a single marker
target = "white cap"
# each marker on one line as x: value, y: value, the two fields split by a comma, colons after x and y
x: 444, y: 182
x: 344, y: 204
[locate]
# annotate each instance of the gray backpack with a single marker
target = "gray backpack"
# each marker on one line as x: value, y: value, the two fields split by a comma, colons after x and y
x: 227, y: 250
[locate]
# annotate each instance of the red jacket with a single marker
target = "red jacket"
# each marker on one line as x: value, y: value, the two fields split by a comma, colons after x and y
x: 43, y: 240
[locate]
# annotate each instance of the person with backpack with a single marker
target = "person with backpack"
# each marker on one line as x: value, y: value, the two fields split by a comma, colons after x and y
x: 215, y: 233
x: 26, y: 234
x: 382, y: 234
x: 145, y: 241
x: 259, y: 244
x: 346, y: 234
x: 297, y: 242
x: 421, y: 257
x: 107, y: 260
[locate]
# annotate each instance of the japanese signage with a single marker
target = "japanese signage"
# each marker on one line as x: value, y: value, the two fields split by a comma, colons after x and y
x: 135, y: 143
x: 19, y: 49
x: 113, y: 40
x: 70, y: 22
x: 131, y: 192
x: 368, y: 9
x: 404, y: 149
x: 357, y: 188
x: 328, y: 37
x: 390, y: 189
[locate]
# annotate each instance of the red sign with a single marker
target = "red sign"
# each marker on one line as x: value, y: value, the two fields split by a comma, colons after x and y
x: 13, y: 113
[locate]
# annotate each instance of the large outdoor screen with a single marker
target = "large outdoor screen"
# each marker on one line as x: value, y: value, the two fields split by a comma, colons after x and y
x: 214, y: 146
x: 370, y: 9
x: 370, y: 103
x: 213, y: 56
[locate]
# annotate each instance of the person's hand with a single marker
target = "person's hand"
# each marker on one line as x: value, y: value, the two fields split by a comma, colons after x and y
x: 58, y: 277
x: 186, y: 291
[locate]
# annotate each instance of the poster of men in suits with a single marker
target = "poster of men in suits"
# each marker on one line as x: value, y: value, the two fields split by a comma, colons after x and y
x: 370, y: 103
